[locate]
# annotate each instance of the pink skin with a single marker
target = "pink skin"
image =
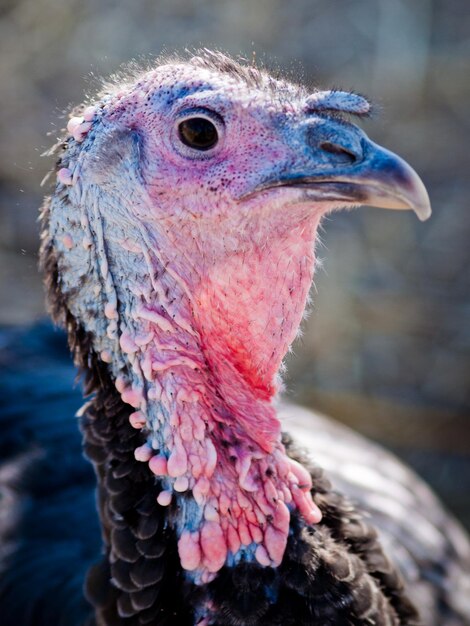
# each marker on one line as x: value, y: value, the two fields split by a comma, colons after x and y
x: 204, y: 338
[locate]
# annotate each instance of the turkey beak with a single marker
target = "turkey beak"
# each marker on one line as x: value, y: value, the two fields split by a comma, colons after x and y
x: 349, y: 169
x: 383, y: 179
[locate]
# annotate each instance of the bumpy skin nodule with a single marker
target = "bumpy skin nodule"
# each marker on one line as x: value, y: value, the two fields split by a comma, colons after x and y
x: 181, y: 293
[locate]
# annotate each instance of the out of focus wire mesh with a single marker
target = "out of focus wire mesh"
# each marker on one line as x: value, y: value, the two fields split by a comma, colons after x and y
x: 386, y: 346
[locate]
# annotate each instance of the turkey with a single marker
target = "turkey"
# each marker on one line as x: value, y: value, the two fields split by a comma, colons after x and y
x: 178, y: 248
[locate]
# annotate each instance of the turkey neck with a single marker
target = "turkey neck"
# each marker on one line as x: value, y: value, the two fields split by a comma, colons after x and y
x: 192, y: 317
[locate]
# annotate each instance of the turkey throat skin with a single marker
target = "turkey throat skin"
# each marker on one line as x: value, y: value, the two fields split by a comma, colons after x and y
x: 194, y: 319
x: 217, y: 437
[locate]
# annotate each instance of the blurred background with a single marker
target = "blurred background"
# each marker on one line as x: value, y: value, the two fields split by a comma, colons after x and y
x: 386, y: 348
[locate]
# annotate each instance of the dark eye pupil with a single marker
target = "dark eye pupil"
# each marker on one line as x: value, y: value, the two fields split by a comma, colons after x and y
x: 198, y: 133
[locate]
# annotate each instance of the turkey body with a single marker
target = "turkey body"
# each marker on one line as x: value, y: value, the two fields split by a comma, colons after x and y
x: 48, y: 524
x: 50, y: 535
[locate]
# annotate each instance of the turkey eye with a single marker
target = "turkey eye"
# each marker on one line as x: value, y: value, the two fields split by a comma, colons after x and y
x: 198, y: 133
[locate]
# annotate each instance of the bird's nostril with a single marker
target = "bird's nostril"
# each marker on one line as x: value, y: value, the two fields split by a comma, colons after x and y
x: 343, y: 154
